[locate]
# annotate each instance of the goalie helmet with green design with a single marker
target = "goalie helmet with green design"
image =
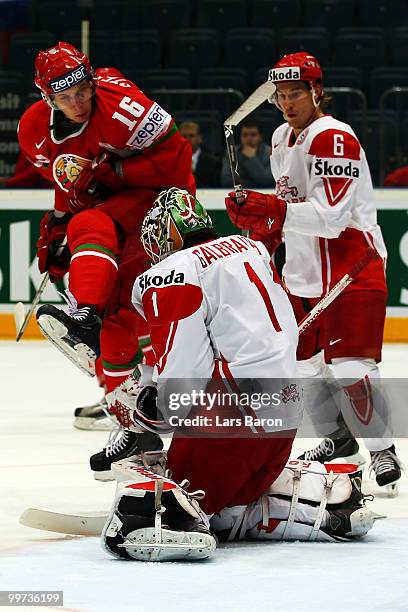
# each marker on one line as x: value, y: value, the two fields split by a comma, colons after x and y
x: 177, y: 220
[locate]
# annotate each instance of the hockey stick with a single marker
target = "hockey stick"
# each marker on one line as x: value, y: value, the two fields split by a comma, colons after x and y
x: 86, y: 524
x: 21, y: 318
x: 370, y: 255
x: 262, y: 93
x: 91, y: 524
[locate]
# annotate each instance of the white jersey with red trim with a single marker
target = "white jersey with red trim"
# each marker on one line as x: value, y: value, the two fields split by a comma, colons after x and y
x: 218, y: 309
x: 331, y: 217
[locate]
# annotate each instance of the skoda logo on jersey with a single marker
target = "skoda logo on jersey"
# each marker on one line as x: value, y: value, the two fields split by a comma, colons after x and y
x: 68, y: 79
x: 146, y: 281
x: 335, y: 167
x: 284, y: 74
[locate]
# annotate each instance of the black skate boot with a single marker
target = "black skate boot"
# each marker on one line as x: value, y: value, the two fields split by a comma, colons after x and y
x: 387, y: 469
x: 340, y: 445
x: 329, y: 449
x: 123, y: 443
x: 75, y: 334
x: 351, y: 519
x: 154, y: 519
x: 94, y: 417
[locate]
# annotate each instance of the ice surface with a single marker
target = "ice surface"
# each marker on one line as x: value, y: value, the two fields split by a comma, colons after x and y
x: 43, y: 463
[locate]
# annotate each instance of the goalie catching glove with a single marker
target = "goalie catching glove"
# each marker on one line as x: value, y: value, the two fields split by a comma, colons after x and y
x: 134, y: 406
x: 260, y: 213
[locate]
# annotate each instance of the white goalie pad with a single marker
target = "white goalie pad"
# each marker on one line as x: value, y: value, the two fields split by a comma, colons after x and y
x: 314, y: 480
x: 294, y: 507
x: 155, y: 519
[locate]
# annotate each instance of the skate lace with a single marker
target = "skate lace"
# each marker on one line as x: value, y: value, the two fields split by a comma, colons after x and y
x: 79, y: 314
x: 118, y: 438
x: 326, y: 447
x: 69, y: 299
x: 384, y: 461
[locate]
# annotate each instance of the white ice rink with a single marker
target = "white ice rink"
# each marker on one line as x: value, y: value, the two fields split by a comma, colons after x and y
x: 44, y: 463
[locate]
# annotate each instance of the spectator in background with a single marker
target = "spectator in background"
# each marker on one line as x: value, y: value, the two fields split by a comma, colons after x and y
x: 253, y: 159
x: 206, y: 167
x: 26, y: 175
x: 397, y: 178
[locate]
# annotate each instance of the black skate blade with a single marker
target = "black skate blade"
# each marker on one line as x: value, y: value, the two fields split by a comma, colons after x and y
x: 80, y: 355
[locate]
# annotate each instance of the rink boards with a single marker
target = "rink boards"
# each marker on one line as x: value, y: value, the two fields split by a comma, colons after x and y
x: 21, y: 211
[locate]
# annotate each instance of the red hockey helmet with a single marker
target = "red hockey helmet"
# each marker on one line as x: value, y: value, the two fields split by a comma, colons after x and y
x: 59, y: 68
x: 296, y: 66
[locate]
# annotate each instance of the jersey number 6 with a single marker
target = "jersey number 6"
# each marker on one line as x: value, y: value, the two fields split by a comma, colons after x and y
x: 133, y: 108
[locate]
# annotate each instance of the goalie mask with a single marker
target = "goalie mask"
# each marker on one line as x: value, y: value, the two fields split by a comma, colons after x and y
x: 297, y: 67
x: 60, y: 68
x: 174, y: 215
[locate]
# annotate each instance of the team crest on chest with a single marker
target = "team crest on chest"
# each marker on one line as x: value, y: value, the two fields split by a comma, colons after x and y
x: 67, y: 168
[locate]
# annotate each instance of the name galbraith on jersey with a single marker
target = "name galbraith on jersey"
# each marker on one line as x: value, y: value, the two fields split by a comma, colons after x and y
x: 163, y: 279
x: 208, y: 253
x: 335, y: 167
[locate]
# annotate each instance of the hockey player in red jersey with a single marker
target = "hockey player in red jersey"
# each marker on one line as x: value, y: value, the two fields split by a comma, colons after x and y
x: 219, y: 320
x: 109, y: 149
x: 324, y: 205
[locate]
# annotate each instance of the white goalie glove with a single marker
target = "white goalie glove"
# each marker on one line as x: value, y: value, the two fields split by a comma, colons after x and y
x: 135, y: 406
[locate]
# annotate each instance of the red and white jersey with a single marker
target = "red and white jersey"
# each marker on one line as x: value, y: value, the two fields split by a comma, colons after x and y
x: 123, y: 121
x: 216, y: 309
x: 331, y: 217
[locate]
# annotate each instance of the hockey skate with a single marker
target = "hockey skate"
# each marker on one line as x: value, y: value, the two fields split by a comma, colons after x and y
x: 75, y: 334
x: 122, y: 443
x: 328, y: 450
x: 386, y: 467
x: 340, y: 445
x: 94, y: 417
x: 155, y: 519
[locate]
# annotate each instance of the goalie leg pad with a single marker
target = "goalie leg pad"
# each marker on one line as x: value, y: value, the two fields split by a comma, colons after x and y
x: 154, y: 519
x: 309, y: 501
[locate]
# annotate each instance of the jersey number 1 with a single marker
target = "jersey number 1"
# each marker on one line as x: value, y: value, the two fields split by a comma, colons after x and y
x: 254, y: 278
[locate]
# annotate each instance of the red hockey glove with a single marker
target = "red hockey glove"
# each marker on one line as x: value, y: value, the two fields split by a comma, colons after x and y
x: 104, y: 172
x: 260, y: 213
x: 81, y: 200
x: 94, y: 184
x: 271, y: 240
x: 52, y: 232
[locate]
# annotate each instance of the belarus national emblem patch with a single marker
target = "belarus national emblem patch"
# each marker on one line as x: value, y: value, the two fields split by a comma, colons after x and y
x: 67, y: 168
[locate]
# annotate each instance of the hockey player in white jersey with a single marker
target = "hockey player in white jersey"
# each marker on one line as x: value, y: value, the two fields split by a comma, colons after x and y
x: 219, y: 319
x: 324, y: 205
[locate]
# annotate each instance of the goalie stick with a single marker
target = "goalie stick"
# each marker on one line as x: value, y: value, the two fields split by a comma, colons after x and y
x: 86, y: 523
x: 91, y: 524
x: 262, y: 93
x: 21, y: 317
